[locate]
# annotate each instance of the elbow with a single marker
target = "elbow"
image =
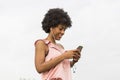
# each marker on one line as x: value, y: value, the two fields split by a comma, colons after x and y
x: 39, y: 70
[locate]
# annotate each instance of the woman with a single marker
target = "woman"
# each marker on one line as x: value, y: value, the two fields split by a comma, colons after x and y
x: 51, y: 60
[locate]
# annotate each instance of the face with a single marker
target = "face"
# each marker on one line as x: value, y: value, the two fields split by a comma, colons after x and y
x: 58, y: 31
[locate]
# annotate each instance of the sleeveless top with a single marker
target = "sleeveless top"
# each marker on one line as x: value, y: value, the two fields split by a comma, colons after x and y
x: 62, y: 71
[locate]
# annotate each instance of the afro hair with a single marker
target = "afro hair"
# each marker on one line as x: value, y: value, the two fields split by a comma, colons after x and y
x: 54, y: 17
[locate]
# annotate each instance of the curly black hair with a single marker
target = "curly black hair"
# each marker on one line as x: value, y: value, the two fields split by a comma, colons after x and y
x: 54, y: 17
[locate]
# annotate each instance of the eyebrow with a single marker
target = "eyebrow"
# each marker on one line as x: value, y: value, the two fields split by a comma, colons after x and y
x: 64, y: 27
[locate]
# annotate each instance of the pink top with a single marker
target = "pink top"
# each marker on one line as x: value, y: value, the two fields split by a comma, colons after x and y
x: 62, y: 70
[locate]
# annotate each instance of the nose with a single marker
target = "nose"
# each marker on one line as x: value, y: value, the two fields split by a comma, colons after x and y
x: 63, y: 31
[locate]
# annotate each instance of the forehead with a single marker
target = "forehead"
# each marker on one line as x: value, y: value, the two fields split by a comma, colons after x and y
x: 62, y: 26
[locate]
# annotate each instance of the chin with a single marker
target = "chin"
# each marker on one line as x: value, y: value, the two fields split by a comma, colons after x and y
x: 58, y: 39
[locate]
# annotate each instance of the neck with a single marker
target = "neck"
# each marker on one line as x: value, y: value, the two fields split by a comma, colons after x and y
x: 51, y: 39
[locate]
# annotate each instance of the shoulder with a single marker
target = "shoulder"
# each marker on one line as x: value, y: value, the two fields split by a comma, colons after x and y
x: 40, y: 43
x: 41, y: 46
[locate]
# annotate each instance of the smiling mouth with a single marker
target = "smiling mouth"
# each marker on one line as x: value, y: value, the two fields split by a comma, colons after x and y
x: 60, y: 36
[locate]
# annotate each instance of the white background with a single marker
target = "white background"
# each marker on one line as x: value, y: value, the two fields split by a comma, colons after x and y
x: 96, y: 26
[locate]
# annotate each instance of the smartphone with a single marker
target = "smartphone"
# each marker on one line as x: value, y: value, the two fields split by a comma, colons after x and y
x: 79, y: 48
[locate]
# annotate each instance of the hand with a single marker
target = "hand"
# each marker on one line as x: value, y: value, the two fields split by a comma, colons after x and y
x: 70, y: 54
x: 76, y: 57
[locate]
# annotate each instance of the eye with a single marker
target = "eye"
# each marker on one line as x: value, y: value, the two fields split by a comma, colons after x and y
x: 60, y: 29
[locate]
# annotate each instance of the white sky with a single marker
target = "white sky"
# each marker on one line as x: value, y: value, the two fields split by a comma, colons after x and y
x: 96, y: 26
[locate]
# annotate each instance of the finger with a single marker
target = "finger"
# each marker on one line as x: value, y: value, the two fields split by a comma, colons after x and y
x: 77, y: 54
x: 76, y: 57
x: 75, y: 60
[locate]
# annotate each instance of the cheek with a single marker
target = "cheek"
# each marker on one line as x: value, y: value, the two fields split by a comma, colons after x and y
x: 57, y: 32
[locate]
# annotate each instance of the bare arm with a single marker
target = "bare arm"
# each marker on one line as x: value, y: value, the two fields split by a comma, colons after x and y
x: 40, y: 64
x: 40, y: 52
x: 76, y: 57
